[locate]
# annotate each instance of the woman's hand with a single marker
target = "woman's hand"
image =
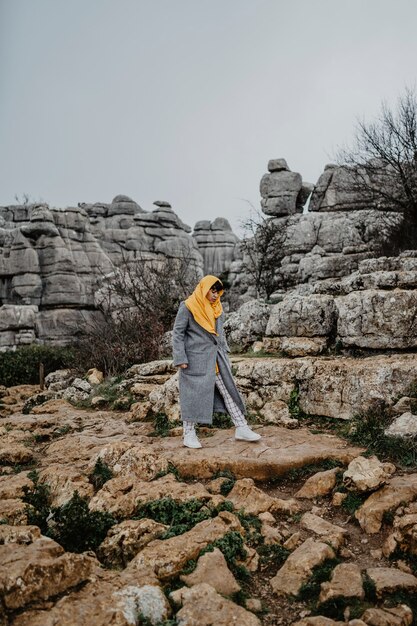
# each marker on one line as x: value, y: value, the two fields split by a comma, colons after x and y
x: 183, y: 366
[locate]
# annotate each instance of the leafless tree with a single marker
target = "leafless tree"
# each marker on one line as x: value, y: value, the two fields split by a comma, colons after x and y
x: 262, y: 252
x: 383, y: 162
x: 150, y: 285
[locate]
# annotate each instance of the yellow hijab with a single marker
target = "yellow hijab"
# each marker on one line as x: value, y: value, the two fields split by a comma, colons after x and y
x: 204, y: 312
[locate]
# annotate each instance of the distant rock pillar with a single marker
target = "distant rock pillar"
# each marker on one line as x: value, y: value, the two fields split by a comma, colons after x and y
x: 283, y: 192
x: 217, y: 244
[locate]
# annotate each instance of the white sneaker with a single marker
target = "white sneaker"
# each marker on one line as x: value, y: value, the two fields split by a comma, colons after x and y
x: 191, y: 440
x: 244, y: 433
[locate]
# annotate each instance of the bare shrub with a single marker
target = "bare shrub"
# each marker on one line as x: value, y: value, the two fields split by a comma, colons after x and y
x: 137, y: 303
x: 382, y: 162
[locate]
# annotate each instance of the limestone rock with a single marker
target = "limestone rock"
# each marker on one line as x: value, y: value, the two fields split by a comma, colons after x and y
x: 277, y: 412
x: 367, y: 473
x: 13, y: 486
x: 298, y: 316
x: 295, y: 346
x: 337, y: 587
x: 126, y: 539
x: 400, y: 490
x: 247, y: 324
x: 217, y: 244
x: 245, y: 495
x: 298, y: 567
x: 125, y: 458
x: 400, y: 615
x: 280, y: 190
x: 110, y: 598
x: 94, y: 376
x: 320, y: 484
x: 212, y: 569
x: 390, y: 580
x: 39, y: 571
x: 167, y: 558
x: 63, y: 481
x: 332, y: 534
x: 377, y: 319
x: 404, y: 535
x: 403, y: 426
x: 13, y: 511
x: 203, y: 606
x: 121, y: 495
x: 166, y: 398
x: 18, y: 534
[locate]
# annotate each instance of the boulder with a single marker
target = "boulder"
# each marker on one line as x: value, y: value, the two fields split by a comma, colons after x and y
x: 298, y: 567
x: 337, y: 587
x: 330, y: 533
x: 126, y: 539
x: 212, y: 569
x: 298, y: 316
x: 389, y: 580
x: 318, y: 485
x: 404, y: 425
x: 247, y: 324
x: 167, y: 558
x: 399, y: 490
x: 202, y: 605
x: 39, y: 571
x: 253, y: 500
x: 367, y: 473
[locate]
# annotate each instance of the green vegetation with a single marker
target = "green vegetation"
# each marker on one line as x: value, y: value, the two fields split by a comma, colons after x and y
x: 77, y: 528
x: 311, y: 589
x: 100, y: 474
x: 162, y: 425
x: 232, y: 547
x: 72, y: 525
x: 221, y: 420
x: 37, y: 499
x: 353, y: 501
x: 21, y: 366
x: 294, y: 403
x: 228, y: 484
x: 171, y: 469
x: 308, y: 470
x: 273, y: 556
x: 252, y: 525
x: 368, y: 430
x: 179, y: 516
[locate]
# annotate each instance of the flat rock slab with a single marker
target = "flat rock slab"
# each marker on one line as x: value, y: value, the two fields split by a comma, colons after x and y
x: 275, y: 454
x: 390, y: 579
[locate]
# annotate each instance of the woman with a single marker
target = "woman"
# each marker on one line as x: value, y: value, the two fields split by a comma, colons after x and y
x: 200, y: 351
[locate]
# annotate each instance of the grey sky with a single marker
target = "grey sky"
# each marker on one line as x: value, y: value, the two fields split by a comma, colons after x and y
x: 186, y: 100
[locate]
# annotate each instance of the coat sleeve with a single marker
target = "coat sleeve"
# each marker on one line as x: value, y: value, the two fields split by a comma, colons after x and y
x: 178, y: 333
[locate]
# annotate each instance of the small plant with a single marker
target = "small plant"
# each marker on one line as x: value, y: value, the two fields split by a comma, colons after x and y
x: 179, y: 516
x: 369, y: 430
x: 233, y: 551
x: 369, y: 588
x: 294, y: 403
x: 162, y: 425
x: 308, y: 470
x: 321, y: 573
x: 353, y: 501
x: 77, y: 528
x: 272, y: 555
x: 171, y: 469
x: 37, y: 500
x: 100, y: 474
x: 228, y: 484
x: 222, y: 420
x: 252, y: 525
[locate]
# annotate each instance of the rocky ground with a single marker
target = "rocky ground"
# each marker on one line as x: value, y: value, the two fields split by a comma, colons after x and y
x: 107, y: 519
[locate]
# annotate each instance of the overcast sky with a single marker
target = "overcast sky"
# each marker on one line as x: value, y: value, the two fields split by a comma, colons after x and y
x: 187, y: 100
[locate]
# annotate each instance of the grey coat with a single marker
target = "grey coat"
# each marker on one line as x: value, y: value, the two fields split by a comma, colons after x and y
x: 194, y: 345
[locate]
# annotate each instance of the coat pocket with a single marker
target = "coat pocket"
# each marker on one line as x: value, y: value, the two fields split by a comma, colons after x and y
x: 197, y: 364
